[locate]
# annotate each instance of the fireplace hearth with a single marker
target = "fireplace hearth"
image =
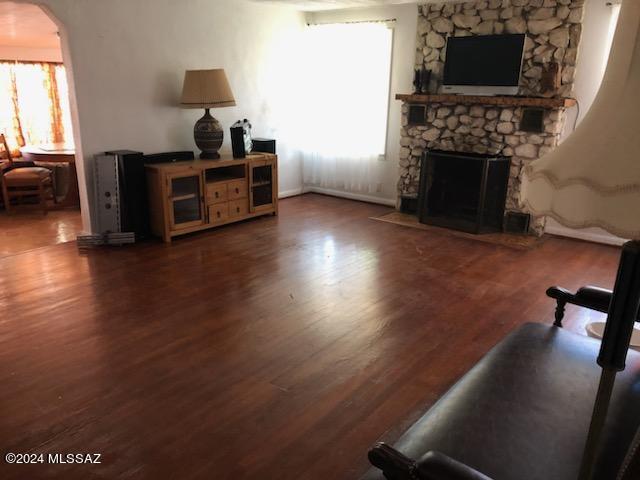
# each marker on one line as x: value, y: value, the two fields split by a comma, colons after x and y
x: 463, y: 191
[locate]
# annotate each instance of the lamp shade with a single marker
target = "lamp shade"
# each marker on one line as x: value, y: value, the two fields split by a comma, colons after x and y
x: 593, y: 178
x: 206, y: 89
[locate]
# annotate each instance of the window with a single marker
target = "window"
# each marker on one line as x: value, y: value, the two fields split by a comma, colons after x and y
x: 34, y: 104
x: 345, y: 113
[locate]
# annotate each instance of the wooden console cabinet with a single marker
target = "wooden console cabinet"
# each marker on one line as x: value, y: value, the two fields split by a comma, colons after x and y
x: 185, y: 197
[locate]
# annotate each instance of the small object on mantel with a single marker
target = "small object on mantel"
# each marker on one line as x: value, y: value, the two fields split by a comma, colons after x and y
x: 551, y: 79
x: 550, y: 103
x: 421, y: 81
x: 425, y: 80
x: 417, y: 81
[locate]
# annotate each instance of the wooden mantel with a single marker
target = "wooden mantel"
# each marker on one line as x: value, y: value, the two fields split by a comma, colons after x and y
x: 486, y: 100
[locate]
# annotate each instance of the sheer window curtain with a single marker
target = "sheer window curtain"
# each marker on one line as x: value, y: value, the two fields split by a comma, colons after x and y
x: 343, y: 132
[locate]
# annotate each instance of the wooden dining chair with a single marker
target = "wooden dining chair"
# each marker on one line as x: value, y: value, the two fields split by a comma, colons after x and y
x: 23, y: 179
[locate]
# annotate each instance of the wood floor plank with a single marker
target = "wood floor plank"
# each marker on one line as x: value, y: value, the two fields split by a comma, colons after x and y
x: 278, y: 348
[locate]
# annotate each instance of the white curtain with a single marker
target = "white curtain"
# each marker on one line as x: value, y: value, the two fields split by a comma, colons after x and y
x: 343, y: 130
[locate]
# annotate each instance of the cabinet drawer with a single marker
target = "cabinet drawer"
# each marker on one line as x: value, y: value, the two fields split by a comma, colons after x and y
x: 237, y: 189
x: 238, y: 208
x: 218, y: 212
x: 216, y: 193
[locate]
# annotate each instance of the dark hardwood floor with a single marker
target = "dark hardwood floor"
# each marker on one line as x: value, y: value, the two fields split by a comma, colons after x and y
x: 280, y: 348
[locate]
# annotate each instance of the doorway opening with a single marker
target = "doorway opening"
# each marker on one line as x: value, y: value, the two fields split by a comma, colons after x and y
x: 40, y: 201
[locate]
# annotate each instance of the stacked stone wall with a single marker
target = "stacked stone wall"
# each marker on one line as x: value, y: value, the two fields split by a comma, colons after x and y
x: 553, y: 29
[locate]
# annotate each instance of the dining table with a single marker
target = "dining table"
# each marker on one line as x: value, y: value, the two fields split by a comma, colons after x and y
x: 57, y: 153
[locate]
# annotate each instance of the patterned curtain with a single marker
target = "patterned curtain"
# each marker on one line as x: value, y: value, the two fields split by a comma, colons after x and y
x: 34, y: 104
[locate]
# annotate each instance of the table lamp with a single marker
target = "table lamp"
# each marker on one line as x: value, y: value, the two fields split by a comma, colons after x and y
x: 593, y: 180
x: 207, y: 89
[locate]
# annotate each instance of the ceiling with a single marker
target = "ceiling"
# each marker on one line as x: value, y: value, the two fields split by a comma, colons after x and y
x: 315, y: 5
x: 26, y: 25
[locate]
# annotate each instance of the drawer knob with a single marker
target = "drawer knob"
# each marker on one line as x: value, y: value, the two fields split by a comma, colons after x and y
x: 217, y: 194
x: 237, y: 190
x: 238, y: 209
x: 218, y: 213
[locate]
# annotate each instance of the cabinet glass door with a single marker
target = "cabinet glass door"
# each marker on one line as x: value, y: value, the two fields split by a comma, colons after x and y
x: 186, y: 201
x: 262, y: 185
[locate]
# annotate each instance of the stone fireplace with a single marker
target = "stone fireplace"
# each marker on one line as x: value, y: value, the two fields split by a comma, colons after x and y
x: 553, y: 29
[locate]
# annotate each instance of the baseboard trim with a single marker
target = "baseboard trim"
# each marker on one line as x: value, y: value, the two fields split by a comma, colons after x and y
x: 582, y: 234
x: 291, y: 193
x: 350, y: 196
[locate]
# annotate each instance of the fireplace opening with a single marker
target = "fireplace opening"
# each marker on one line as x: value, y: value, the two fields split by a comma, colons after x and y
x: 463, y: 191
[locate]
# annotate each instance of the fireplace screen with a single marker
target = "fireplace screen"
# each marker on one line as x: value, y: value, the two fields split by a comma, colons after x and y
x: 463, y: 191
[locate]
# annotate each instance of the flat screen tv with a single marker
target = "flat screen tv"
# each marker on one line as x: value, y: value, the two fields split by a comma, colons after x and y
x: 483, y: 64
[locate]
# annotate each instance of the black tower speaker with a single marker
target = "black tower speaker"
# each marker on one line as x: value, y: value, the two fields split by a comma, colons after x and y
x: 134, y: 205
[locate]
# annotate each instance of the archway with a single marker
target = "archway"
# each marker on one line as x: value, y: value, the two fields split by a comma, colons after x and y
x: 37, y: 39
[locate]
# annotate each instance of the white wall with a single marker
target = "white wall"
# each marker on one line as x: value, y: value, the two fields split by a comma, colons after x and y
x: 592, y: 56
x: 404, y: 44
x: 29, y: 54
x: 128, y: 59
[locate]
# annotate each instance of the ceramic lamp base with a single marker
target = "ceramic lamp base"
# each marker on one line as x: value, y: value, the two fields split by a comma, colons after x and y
x: 208, y: 135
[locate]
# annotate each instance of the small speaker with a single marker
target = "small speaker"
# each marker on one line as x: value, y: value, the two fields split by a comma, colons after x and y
x: 237, y: 142
x: 264, y: 145
x: 532, y: 120
x: 516, y: 222
x: 409, y: 204
x: 417, y: 114
x: 169, y: 157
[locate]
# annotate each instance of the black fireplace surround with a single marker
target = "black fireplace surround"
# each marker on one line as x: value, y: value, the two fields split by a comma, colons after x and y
x: 463, y: 191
